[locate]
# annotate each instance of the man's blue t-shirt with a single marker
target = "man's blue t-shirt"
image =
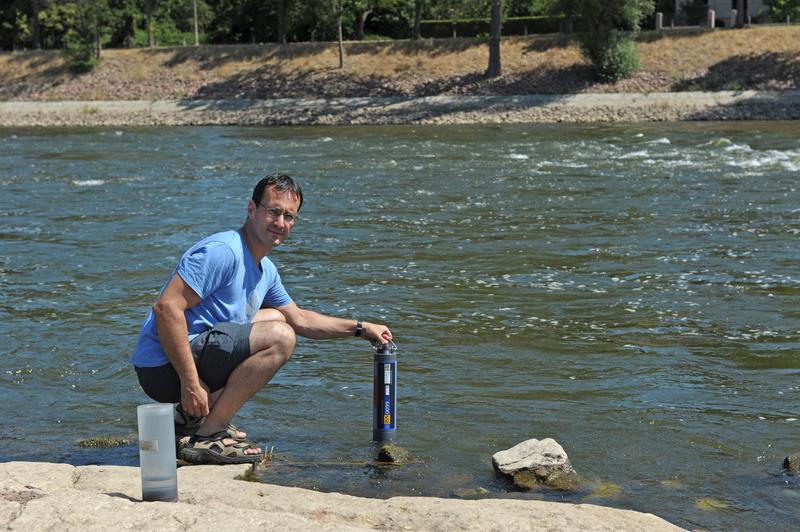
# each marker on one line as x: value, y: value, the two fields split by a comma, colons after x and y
x: 231, y: 286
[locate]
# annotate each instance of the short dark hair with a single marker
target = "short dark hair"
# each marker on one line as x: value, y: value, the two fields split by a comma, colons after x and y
x: 281, y: 183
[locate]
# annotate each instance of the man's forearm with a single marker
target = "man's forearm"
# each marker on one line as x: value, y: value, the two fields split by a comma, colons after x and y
x: 322, y: 327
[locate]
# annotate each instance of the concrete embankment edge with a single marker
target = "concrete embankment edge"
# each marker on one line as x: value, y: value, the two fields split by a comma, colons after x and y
x: 578, y: 108
x: 43, y: 496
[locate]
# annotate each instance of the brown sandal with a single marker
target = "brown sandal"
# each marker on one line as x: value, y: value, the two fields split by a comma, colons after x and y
x: 211, y: 450
x: 190, y: 424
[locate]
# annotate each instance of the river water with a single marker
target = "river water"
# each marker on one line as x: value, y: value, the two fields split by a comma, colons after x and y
x: 629, y: 290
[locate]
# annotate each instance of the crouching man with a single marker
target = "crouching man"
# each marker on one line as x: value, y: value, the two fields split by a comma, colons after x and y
x: 223, y: 325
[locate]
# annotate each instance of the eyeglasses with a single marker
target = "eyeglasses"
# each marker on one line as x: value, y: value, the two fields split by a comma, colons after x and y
x: 275, y: 213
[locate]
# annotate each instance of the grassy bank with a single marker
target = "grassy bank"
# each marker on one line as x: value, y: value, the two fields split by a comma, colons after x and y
x: 763, y: 58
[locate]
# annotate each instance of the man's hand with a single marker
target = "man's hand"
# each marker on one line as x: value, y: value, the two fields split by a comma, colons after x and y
x: 194, y: 399
x: 376, y: 333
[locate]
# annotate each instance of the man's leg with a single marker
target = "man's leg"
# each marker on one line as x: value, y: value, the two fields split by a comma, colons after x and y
x: 264, y: 314
x: 271, y: 344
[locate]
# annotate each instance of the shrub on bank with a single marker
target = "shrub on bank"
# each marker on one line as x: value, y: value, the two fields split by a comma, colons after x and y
x: 616, y: 58
x: 80, y: 54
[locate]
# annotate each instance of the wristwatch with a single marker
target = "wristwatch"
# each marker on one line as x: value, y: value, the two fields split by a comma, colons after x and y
x: 359, y: 327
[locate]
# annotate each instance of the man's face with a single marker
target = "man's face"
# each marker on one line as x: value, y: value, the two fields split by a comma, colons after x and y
x: 273, y: 217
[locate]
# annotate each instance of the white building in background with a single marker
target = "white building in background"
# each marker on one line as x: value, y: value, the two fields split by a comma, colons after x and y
x: 722, y: 9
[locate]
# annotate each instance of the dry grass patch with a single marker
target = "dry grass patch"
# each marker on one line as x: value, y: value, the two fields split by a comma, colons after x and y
x: 702, y: 49
x: 765, y: 57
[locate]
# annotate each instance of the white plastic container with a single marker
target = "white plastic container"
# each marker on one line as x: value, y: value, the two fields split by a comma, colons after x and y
x: 157, y: 452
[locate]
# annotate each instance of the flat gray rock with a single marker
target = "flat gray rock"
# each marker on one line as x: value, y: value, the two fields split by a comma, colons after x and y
x: 39, y: 496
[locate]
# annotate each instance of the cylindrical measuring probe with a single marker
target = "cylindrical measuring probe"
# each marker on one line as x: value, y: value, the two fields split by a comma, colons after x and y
x: 384, y: 393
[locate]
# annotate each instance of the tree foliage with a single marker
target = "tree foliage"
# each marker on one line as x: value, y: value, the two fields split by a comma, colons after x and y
x: 695, y: 11
x: 128, y: 23
x: 607, y: 31
x: 780, y: 9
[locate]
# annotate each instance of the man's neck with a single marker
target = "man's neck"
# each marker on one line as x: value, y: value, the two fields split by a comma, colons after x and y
x: 257, y: 252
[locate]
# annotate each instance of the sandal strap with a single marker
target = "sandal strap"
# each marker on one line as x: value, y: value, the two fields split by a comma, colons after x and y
x: 217, y: 436
x: 213, y: 443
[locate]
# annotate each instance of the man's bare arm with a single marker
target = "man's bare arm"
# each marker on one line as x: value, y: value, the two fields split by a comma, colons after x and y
x: 321, y: 326
x: 173, y: 333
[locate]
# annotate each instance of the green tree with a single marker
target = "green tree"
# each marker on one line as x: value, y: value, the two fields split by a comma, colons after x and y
x: 149, y: 7
x: 416, y: 28
x: 608, y: 31
x: 55, y: 19
x: 35, y: 7
x: 495, y: 69
x: 695, y: 11
x: 364, y: 8
x: 19, y: 24
x: 456, y: 9
x: 780, y: 9
x: 569, y: 9
x: 284, y: 7
x: 84, y: 36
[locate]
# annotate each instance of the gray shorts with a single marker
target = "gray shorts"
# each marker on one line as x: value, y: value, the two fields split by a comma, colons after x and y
x: 217, y: 352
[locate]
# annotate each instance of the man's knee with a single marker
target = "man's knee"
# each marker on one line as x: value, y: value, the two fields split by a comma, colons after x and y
x: 269, y: 314
x: 273, y: 334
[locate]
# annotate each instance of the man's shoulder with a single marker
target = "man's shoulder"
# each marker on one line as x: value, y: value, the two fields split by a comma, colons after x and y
x: 224, y: 240
x: 224, y: 246
x: 230, y: 238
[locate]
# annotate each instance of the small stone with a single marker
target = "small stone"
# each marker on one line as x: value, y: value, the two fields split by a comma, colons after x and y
x: 392, y: 453
x: 792, y: 463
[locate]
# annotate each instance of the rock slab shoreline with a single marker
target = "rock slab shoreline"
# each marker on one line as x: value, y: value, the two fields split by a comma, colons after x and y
x: 577, y: 108
x: 45, y: 496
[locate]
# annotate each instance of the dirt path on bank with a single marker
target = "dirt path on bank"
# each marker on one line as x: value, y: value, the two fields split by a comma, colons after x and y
x: 579, y: 108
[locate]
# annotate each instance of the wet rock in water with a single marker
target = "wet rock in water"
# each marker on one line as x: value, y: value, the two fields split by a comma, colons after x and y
x: 792, y: 463
x: 103, y: 442
x: 390, y: 452
x: 536, y: 463
x: 606, y: 490
x: 710, y: 504
x: 470, y: 493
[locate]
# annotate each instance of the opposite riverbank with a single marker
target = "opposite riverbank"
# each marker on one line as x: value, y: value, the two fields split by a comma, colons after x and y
x: 43, y: 496
x: 686, y: 74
